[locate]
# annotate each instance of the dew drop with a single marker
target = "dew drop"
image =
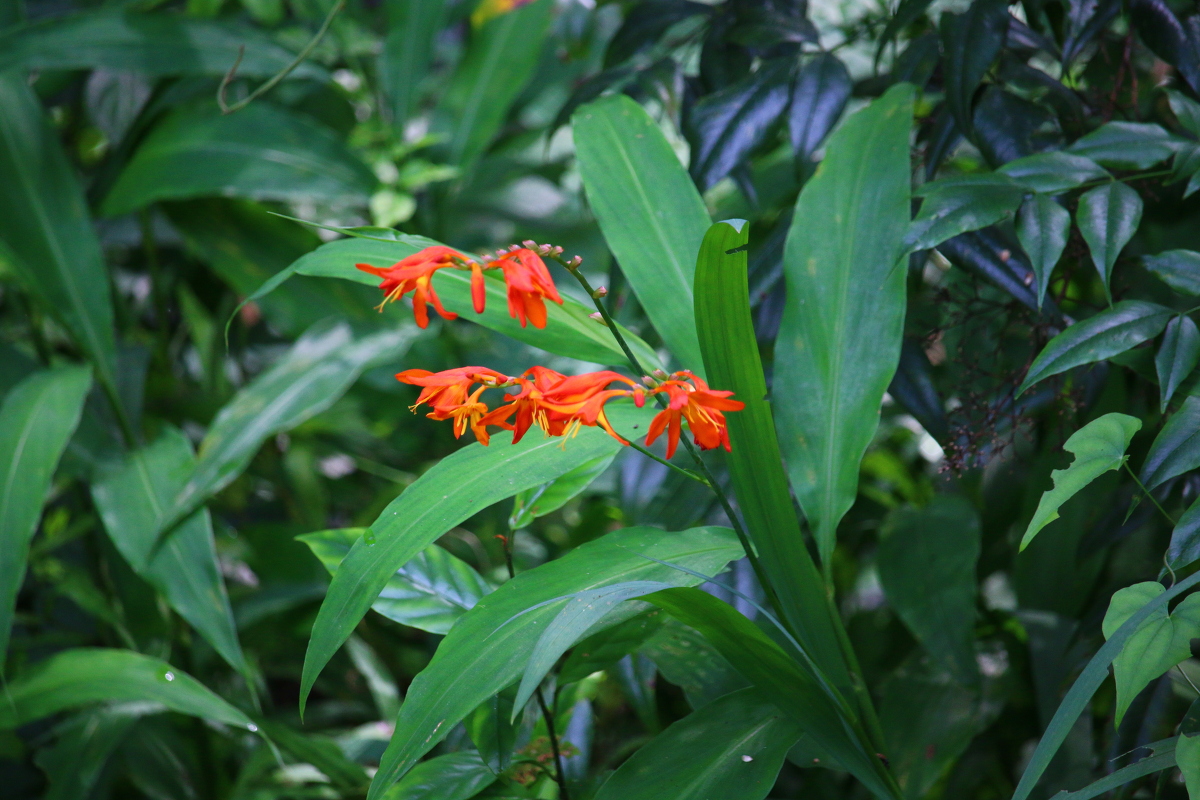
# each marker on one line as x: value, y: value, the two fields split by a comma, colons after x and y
x: 369, y: 538
x: 747, y: 759
x: 169, y: 676
x: 252, y: 728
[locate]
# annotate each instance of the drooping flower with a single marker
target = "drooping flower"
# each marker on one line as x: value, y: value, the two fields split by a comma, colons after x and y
x: 700, y: 406
x: 529, y: 282
x: 415, y: 274
x: 449, y: 395
x: 525, y: 407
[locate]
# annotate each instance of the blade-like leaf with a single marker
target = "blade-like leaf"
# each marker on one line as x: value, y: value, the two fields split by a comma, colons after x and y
x: 132, y: 501
x: 1043, y: 226
x: 1162, y: 757
x: 839, y: 340
x: 413, y: 26
x: 819, y: 95
x: 323, y: 754
x: 549, y: 497
x: 82, y: 750
x: 1099, y: 447
x: 733, y: 747
x: 649, y: 211
x: 1125, y: 145
x: 1176, y: 449
x: 1054, y: 172
x: 1108, y: 216
x: 492, y: 654
x: 970, y: 43
x: 1179, y: 269
x: 430, y: 592
x: 86, y: 676
x: 991, y: 254
x: 1177, y: 357
x: 454, y: 776
x: 262, y: 153
x: 958, y: 207
x: 1126, y: 325
x: 601, y: 650
x: 36, y: 421
x: 1185, y: 538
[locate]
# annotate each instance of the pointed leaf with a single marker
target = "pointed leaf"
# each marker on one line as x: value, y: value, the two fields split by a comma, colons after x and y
x: 1125, y: 145
x: 454, y: 776
x: 601, y: 650
x: 1043, y: 226
x: 413, y: 28
x: 1054, y: 172
x: 970, y: 43
x: 1108, y: 216
x: 1099, y: 447
x: 1179, y: 269
x: 819, y: 95
x: 1184, y: 549
x: 549, y: 497
x: 1186, y: 110
x: 1162, y: 757
x: 1176, y: 449
x: 1177, y: 357
x: 958, y: 207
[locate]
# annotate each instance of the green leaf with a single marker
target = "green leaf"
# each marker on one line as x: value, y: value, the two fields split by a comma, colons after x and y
x: 819, y: 95
x: 688, y: 660
x: 84, y: 744
x: 455, y: 776
x: 971, y: 41
x: 86, y: 676
x: 1159, y: 642
x: 1043, y: 227
x: 1111, y: 332
x: 324, y: 754
x: 262, y: 153
x: 1054, y: 172
x: 926, y: 563
x: 839, y: 340
x: 430, y: 592
x: 959, y: 207
x: 491, y: 732
x: 46, y: 233
x: 380, y: 683
x: 732, y: 362
x: 1185, y: 539
x: 549, y: 497
x: 1179, y: 269
x: 601, y: 650
x: 1187, y: 757
x: 651, y: 215
x: 1186, y: 110
x: 491, y: 653
x: 1108, y: 216
x: 1099, y: 447
x: 1125, y: 145
x: 1177, y: 357
x: 413, y: 27
x: 499, y: 61
x: 1162, y: 757
x: 153, y: 44
x: 132, y: 501
x: 1176, y: 449
x: 459, y: 486
x: 305, y: 381
x: 733, y: 747
x: 36, y: 421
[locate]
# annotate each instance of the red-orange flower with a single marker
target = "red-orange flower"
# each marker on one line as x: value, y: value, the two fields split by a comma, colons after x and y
x: 700, y: 406
x: 526, y: 405
x: 449, y: 394
x: 528, y: 283
x: 415, y: 274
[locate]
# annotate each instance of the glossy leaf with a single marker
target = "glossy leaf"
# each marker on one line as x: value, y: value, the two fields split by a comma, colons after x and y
x: 960, y: 207
x: 1086, y: 19
x: 1186, y: 110
x: 991, y: 254
x: 601, y: 650
x: 85, y: 743
x: 1187, y: 757
x: 430, y: 592
x: 1099, y: 447
x: 1176, y: 449
x: 1179, y: 269
x: 733, y: 747
x: 1177, y: 357
x: 459, y: 486
x: 491, y: 732
x: 971, y: 41
x: 1125, y: 145
x: 1159, y: 643
x: 132, y: 502
x: 688, y: 660
x: 321, y: 753
x: 1054, y: 172
x: 907, y: 12
x: 46, y: 234
x: 1043, y: 226
x: 36, y: 421
x: 1170, y: 40
x: 819, y: 95
x: 839, y: 340
x: 1126, y: 325
x: 645, y: 24
x: 86, y: 676
x: 262, y: 152
x: 454, y: 776
x: 492, y: 654
x: 549, y: 497
x: 413, y: 26
x: 1108, y: 216
x: 926, y: 562
x: 1185, y: 538
x: 651, y: 215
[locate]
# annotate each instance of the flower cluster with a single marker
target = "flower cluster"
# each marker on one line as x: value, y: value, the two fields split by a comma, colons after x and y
x: 525, y: 273
x: 561, y: 404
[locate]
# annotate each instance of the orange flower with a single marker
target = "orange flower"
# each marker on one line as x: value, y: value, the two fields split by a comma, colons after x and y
x: 526, y: 405
x: 700, y: 406
x: 449, y: 394
x: 528, y: 283
x: 415, y: 274
x: 580, y: 399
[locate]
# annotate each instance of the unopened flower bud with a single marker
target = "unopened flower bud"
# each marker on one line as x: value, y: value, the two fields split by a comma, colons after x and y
x: 650, y: 382
x: 543, y: 250
x: 596, y: 315
x: 575, y: 262
x: 601, y: 292
x: 660, y: 374
x: 556, y: 250
x: 530, y: 243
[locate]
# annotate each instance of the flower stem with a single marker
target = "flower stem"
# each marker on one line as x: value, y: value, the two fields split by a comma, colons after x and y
x: 1146, y: 492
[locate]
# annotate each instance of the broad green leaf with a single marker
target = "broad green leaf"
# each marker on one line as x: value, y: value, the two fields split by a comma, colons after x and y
x: 1185, y: 538
x: 549, y: 497
x: 262, y: 153
x: 413, y: 27
x: 455, y: 776
x: 957, y: 208
x: 430, y: 592
x: 499, y: 61
x: 1125, y: 145
x: 1177, y: 357
x: 733, y: 747
x: 1159, y: 642
x: 1187, y: 757
x: 36, y: 421
x: 132, y: 501
x: 1111, y: 332
x: 1176, y: 449
x: 459, y: 486
x: 926, y: 563
x: 321, y: 753
x: 971, y: 40
x: 1099, y: 447
x: 1179, y: 269
x: 649, y: 211
x: 601, y: 650
x: 1043, y: 227
x: 1108, y: 216
x: 380, y: 683
x: 688, y: 660
x: 1162, y: 757
x: 1054, y: 172
x: 86, y: 676
x: 153, y: 44
x: 1186, y: 110
x: 732, y: 362
x: 305, y: 381
x: 84, y: 744
x: 491, y: 732
x: 46, y: 232
x: 482, y: 647
x: 839, y: 340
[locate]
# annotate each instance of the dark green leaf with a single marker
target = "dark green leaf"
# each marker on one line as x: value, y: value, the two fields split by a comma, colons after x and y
x: 819, y: 95
x: 649, y: 211
x: 323, y: 754
x: 960, y: 206
x: 549, y: 497
x: 907, y: 12
x: 1125, y: 145
x: 413, y: 27
x: 455, y: 776
x: 84, y: 745
x: 688, y: 660
x: 1043, y: 226
x: 493, y: 735
x: 36, y: 421
x: 1162, y: 757
x: 1179, y: 269
x: 645, y: 24
x: 1085, y: 20
x: 845, y: 306
x: 992, y: 254
x: 914, y: 389
x: 1185, y: 538
x: 970, y: 43
x: 1176, y: 449
x: 1177, y: 357
x: 1122, y: 327
x: 1108, y: 216
x: 1162, y: 31
x: 1054, y: 172
x: 1186, y: 110
x: 601, y: 650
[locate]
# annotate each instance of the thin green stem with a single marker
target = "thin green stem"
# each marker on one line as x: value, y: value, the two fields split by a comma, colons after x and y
x: 1145, y: 491
x: 651, y: 455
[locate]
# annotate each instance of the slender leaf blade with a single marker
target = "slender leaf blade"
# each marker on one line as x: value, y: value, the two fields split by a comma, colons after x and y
x: 1179, y: 269
x: 1177, y: 357
x: 1053, y: 172
x: 1176, y: 449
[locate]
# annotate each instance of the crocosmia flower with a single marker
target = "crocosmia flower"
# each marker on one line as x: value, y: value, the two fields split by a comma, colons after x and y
x: 691, y: 399
x: 415, y: 274
x: 449, y: 394
x: 528, y: 283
